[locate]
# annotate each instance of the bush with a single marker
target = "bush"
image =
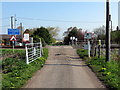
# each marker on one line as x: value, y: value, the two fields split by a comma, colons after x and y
x: 82, y: 53
x: 7, y: 52
x: 16, y: 72
x: 45, y: 53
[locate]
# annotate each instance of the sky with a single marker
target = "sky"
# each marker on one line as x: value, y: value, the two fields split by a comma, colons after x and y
x: 119, y: 14
x: 85, y: 15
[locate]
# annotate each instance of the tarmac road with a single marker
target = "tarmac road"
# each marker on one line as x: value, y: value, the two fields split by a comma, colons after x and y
x: 64, y: 69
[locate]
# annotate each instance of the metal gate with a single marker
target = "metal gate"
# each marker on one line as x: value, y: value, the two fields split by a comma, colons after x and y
x: 33, y: 51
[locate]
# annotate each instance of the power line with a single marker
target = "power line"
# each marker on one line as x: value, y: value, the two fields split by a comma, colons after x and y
x: 5, y: 18
x: 5, y: 26
x: 61, y: 20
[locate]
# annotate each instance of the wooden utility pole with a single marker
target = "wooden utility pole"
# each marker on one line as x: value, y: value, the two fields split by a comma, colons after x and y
x: 11, y: 22
x: 12, y: 28
x: 15, y: 21
x: 107, y: 32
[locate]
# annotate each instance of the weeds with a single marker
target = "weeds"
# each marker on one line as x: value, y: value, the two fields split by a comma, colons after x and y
x: 16, y: 72
x: 108, y: 72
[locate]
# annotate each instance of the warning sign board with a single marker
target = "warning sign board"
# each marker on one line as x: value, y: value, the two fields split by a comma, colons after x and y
x: 26, y: 37
x: 13, y: 38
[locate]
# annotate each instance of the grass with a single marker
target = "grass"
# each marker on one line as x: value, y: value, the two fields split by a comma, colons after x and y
x: 16, y: 72
x: 82, y: 53
x: 0, y: 62
x: 9, y: 52
x: 108, y: 72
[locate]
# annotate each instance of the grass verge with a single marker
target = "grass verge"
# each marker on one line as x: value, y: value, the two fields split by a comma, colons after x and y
x: 107, y: 72
x: 16, y: 72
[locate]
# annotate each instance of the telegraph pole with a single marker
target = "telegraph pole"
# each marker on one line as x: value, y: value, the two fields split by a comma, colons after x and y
x: 11, y: 22
x: 107, y: 32
x: 12, y: 28
x: 15, y: 21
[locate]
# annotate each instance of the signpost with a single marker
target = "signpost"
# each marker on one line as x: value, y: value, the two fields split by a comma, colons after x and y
x: 13, y: 32
x: 88, y: 36
x: 13, y: 39
x: 26, y: 37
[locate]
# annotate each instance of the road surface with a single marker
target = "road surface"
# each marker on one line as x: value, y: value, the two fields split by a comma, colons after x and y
x: 64, y: 69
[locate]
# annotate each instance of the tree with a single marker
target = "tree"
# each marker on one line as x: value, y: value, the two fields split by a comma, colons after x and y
x: 67, y: 32
x: 42, y: 33
x: 66, y: 40
x: 100, y: 32
x: 53, y: 31
x: 73, y: 32
x: 115, y: 35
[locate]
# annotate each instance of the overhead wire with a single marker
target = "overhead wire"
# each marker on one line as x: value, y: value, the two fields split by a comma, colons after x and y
x: 61, y: 20
x: 4, y: 18
x: 5, y: 26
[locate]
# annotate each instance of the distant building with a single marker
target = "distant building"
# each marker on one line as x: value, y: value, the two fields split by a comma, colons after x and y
x: 119, y: 14
x: 5, y: 39
x: 58, y: 40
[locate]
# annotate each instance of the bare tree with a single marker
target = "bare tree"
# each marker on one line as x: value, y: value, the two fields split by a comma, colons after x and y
x: 53, y: 31
x: 100, y: 32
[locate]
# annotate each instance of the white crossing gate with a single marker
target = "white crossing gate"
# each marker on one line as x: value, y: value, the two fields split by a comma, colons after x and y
x: 33, y: 51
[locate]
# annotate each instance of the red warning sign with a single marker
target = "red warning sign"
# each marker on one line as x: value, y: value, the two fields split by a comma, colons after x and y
x: 13, y: 38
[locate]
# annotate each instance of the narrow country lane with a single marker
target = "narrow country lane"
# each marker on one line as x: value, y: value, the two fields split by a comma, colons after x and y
x: 64, y: 69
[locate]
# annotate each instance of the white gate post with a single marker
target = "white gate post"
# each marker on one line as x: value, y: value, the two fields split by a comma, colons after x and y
x: 88, y: 48
x: 26, y: 54
x: 40, y: 48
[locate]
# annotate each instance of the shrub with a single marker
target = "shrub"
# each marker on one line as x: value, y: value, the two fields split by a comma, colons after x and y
x: 16, y: 72
x: 82, y: 53
x: 45, y: 53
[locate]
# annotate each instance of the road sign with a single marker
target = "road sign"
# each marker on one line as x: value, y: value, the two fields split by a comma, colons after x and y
x: 26, y: 37
x: 88, y: 35
x: 13, y: 32
x: 13, y: 38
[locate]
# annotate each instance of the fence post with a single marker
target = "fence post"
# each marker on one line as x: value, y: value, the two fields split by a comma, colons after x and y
x: 89, y: 48
x: 99, y: 47
x: 26, y: 54
x: 40, y: 48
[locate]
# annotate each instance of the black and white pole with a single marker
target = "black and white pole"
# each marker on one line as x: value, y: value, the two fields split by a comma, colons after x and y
x: 76, y: 41
x: 99, y: 48
x: 71, y: 40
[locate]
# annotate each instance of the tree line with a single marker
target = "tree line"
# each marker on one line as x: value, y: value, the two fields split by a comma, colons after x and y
x: 100, y: 33
x: 47, y: 35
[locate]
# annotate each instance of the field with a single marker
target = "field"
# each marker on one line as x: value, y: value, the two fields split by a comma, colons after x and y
x: 15, y: 71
